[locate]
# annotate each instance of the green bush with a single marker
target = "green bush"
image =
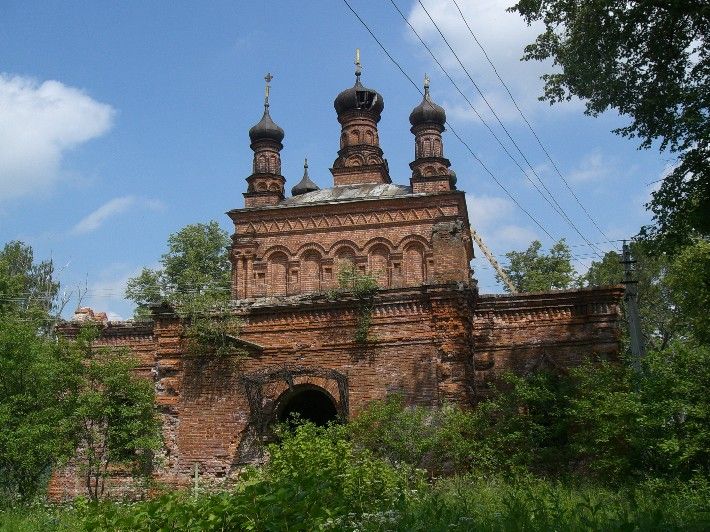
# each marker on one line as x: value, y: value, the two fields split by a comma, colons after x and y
x: 314, y: 477
x: 653, y: 425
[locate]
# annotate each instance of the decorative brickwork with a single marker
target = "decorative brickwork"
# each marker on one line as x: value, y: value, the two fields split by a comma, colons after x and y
x: 431, y: 337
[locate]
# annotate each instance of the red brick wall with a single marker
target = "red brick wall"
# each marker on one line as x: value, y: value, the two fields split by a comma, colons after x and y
x: 365, y: 228
x: 432, y: 343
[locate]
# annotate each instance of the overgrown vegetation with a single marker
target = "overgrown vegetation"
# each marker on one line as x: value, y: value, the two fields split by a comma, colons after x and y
x: 363, y: 286
x: 57, y: 396
x: 330, y: 479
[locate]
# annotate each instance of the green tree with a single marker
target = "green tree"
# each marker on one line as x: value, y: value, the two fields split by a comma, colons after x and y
x: 660, y: 320
x: 653, y: 425
x: 25, y: 286
x: 115, y: 418
x: 38, y: 383
x: 649, y: 60
x: 195, y: 271
x: 532, y: 271
x: 689, y: 279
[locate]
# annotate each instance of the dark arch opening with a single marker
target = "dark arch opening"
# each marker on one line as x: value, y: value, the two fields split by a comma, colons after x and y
x: 309, y: 403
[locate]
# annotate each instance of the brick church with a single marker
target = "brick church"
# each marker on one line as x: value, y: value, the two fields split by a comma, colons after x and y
x: 430, y: 335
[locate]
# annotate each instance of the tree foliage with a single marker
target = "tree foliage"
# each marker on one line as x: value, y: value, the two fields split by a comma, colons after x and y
x: 115, y: 417
x: 532, y: 271
x: 195, y: 271
x: 689, y: 279
x: 660, y: 320
x: 38, y: 384
x: 649, y: 60
x: 25, y: 286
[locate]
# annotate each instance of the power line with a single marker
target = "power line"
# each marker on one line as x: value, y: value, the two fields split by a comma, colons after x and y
x: 478, y: 115
x: 453, y: 131
x: 527, y: 122
x: 505, y: 129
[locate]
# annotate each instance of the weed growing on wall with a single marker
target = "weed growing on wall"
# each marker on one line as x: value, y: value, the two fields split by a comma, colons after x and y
x: 364, y: 287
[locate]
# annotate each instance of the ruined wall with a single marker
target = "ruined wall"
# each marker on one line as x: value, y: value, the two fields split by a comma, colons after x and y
x: 433, y: 343
x: 524, y: 332
x: 216, y: 408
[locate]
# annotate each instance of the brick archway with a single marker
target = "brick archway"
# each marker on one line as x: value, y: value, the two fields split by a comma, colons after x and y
x: 309, y: 402
x: 266, y: 390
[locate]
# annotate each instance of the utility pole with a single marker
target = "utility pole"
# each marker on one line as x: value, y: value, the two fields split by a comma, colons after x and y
x: 632, y: 309
x: 487, y: 252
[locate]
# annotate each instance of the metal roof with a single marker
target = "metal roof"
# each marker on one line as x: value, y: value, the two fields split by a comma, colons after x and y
x: 349, y: 193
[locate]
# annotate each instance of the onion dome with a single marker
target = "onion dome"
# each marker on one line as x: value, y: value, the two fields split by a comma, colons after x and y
x: 453, y: 178
x: 305, y: 184
x: 266, y: 128
x: 358, y: 97
x: 427, y: 111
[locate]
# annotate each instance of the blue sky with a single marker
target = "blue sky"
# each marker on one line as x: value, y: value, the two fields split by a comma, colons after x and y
x: 120, y: 123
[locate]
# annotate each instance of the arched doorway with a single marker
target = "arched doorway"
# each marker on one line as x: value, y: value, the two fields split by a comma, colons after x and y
x: 309, y: 402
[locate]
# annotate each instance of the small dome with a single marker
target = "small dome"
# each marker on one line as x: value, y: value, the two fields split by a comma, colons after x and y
x: 453, y: 178
x: 427, y: 111
x: 266, y: 129
x: 359, y: 97
x: 305, y: 184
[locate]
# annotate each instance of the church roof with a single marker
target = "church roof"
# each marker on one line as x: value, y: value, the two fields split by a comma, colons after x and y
x: 349, y: 193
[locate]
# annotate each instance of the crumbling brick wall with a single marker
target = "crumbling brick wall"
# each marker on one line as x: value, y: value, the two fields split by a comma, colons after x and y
x: 432, y: 343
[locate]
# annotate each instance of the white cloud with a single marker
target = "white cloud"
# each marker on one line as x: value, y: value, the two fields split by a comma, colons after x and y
x: 112, y: 208
x: 514, y: 236
x: 593, y: 167
x: 484, y: 211
x: 38, y: 124
x: 491, y: 217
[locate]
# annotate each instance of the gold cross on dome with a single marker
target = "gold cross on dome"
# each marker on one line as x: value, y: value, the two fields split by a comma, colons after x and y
x: 268, y: 79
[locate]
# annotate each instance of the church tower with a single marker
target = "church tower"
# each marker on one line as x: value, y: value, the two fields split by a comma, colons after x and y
x: 360, y: 158
x: 265, y: 184
x: 430, y: 169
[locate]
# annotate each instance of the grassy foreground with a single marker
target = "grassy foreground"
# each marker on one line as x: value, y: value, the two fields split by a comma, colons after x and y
x: 462, y: 503
x: 318, y: 480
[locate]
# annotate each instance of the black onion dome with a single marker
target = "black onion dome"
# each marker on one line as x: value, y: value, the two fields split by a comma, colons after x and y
x: 359, y: 97
x: 266, y: 129
x: 305, y: 184
x: 427, y: 112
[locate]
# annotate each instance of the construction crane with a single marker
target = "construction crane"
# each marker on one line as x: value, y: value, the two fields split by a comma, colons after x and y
x: 497, y: 267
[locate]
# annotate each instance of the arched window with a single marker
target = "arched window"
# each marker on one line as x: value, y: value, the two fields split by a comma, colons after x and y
x: 378, y: 260
x: 427, y: 147
x: 414, y: 265
x: 277, y: 268
x: 261, y: 165
x: 310, y: 271
x: 437, y: 148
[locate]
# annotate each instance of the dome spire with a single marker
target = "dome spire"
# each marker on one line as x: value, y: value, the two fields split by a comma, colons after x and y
x: 268, y: 79
x: 266, y: 128
x: 265, y: 185
x: 305, y: 185
x: 430, y: 169
x: 358, y: 66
